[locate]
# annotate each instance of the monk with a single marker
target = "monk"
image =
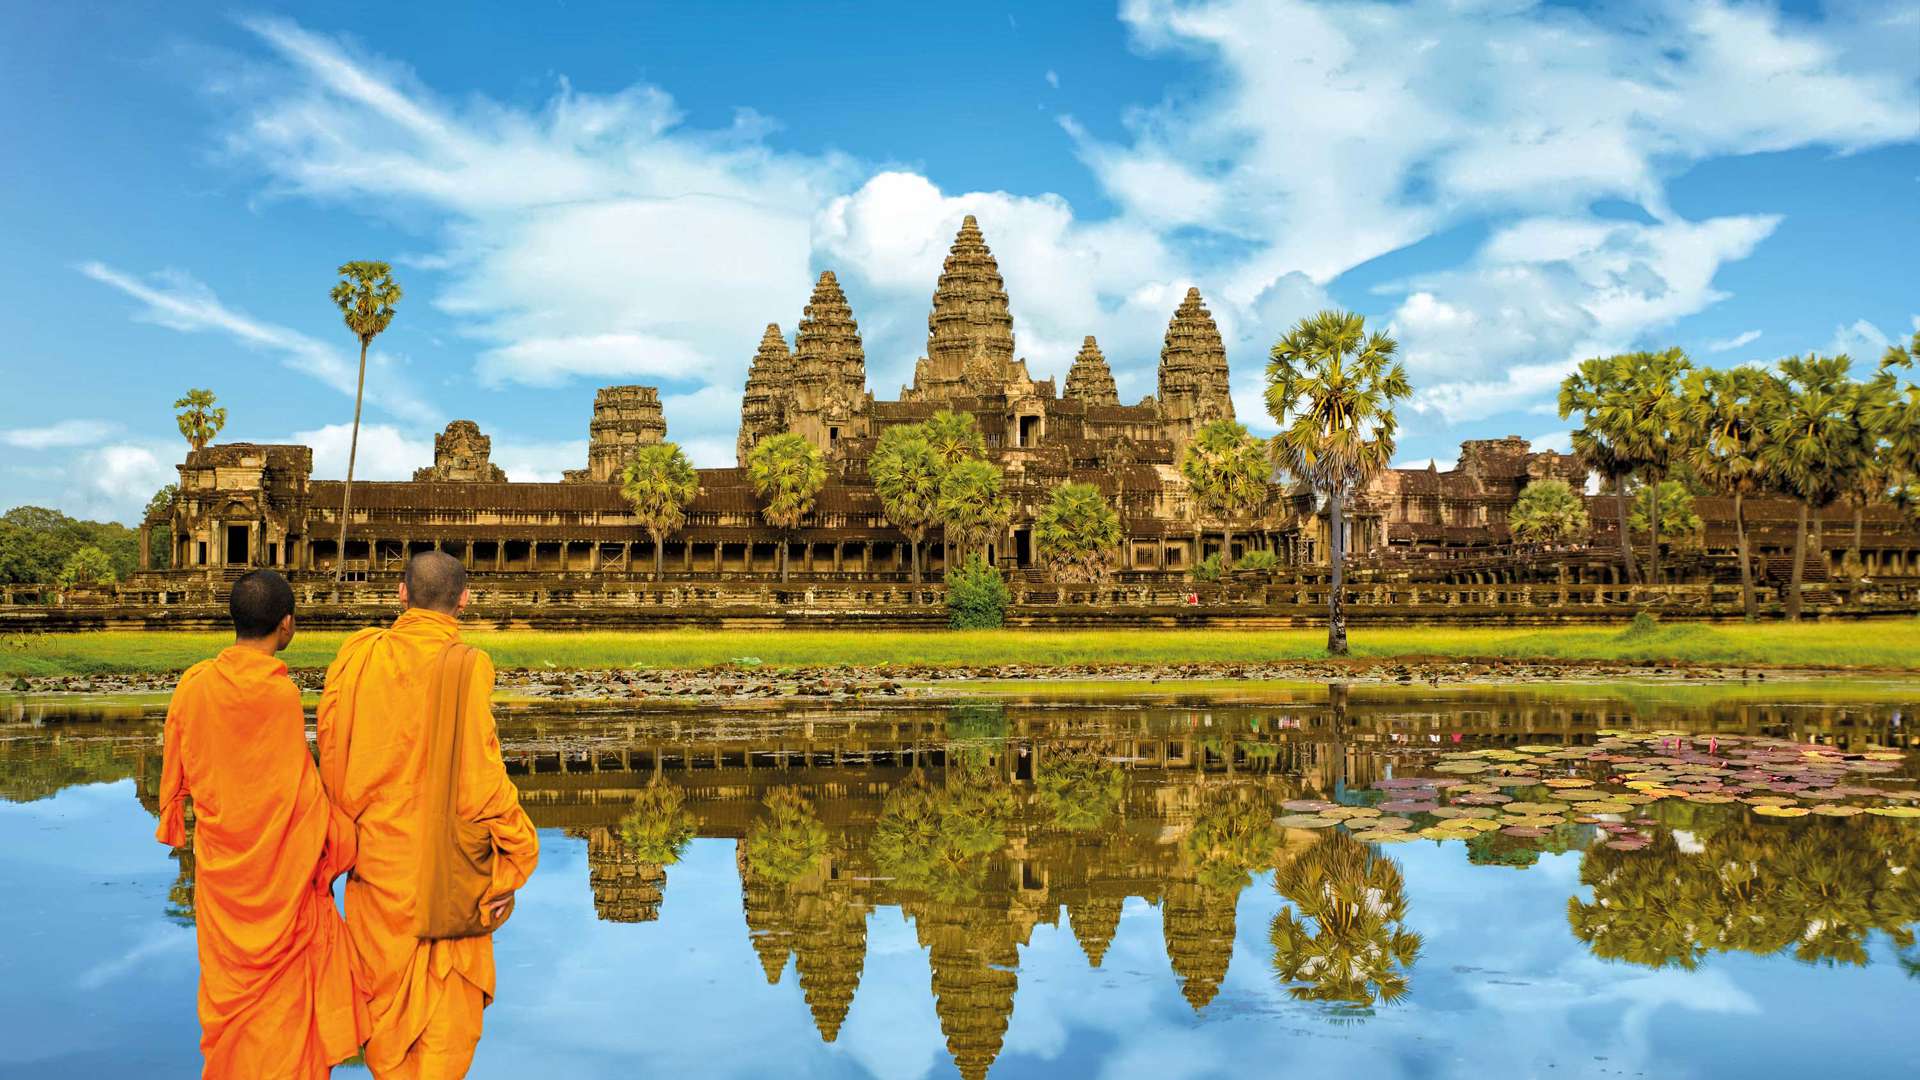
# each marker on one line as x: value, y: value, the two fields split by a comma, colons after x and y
x: 426, y: 996
x: 276, y: 985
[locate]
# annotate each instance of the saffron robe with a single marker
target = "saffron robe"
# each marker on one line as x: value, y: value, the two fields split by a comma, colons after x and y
x: 425, y: 996
x: 276, y: 993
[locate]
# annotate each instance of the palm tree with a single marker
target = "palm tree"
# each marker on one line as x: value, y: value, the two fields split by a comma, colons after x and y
x: 1227, y: 472
x: 366, y: 294
x: 1646, y: 414
x: 972, y: 505
x: 1807, y: 425
x: 1903, y: 427
x: 1722, y: 440
x: 1547, y: 512
x: 658, y: 483
x: 954, y: 437
x: 1593, y: 391
x: 788, y: 472
x: 906, y: 477
x: 200, y: 421
x: 1878, y: 410
x: 1332, y: 389
x: 1076, y: 533
x: 1676, y: 518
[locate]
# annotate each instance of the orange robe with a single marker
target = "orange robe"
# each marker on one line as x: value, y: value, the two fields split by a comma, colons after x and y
x: 426, y: 996
x: 276, y: 992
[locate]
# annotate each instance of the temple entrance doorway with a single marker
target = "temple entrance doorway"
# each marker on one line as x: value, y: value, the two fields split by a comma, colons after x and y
x: 236, y: 545
x: 1023, y: 548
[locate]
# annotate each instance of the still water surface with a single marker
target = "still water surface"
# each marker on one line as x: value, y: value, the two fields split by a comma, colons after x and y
x: 1157, y: 887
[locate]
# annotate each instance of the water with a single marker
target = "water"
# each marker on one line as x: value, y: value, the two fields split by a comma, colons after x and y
x: 1089, y: 885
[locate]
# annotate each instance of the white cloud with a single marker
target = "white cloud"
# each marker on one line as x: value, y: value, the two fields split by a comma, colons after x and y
x: 108, y: 482
x: 384, y: 453
x: 177, y: 301
x: 1737, y: 341
x: 1053, y: 78
x: 539, y: 461
x: 63, y: 434
x: 1862, y: 341
x: 1499, y: 333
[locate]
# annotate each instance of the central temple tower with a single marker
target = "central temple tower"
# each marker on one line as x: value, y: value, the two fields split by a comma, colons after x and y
x: 970, y: 329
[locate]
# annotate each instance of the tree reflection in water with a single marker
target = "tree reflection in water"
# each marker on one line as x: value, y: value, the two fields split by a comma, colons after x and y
x: 1344, y: 940
x: 936, y: 840
x: 1811, y: 889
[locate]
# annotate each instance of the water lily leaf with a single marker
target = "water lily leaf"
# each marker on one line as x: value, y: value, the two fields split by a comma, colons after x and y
x: 1708, y: 797
x: 1388, y: 824
x: 1382, y: 836
x: 1767, y: 800
x: 1607, y: 807
x: 1526, y: 830
x: 1781, y: 811
x: 1305, y: 821
x: 1832, y: 810
x: 1308, y: 805
x: 1895, y: 811
x: 1403, y: 806
x: 1569, y: 782
x: 1349, y: 813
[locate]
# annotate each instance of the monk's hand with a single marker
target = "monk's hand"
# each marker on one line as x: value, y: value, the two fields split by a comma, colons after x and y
x: 497, y: 910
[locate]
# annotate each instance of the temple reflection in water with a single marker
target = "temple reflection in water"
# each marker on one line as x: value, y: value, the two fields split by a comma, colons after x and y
x: 979, y: 823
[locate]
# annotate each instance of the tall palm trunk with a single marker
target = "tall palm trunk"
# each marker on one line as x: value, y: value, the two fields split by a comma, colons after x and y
x: 1626, y: 541
x: 1799, y: 565
x: 785, y: 543
x: 346, y: 491
x: 1653, y: 533
x: 1226, y: 547
x: 1336, y: 599
x: 913, y: 556
x: 1747, y: 603
x: 659, y: 555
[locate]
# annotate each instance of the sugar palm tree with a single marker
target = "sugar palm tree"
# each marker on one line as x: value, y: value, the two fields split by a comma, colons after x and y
x: 366, y: 294
x: 1878, y: 411
x: 659, y: 482
x: 1332, y: 387
x: 1227, y: 472
x: 1807, y: 425
x: 1547, y: 512
x: 1903, y: 427
x: 906, y: 476
x: 200, y: 420
x: 1721, y: 418
x: 1595, y: 391
x: 953, y: 436
x: 1646, y: 414
x: 1076, y: 533
x: 788, y: 472
x: 973, y: 506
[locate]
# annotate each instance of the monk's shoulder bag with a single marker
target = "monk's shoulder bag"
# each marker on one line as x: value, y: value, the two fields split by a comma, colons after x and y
x: 456, y: 864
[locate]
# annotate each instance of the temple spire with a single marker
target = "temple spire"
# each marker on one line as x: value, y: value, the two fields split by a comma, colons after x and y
x: 769, y: 380
x: 1193, y: 367
x: 1090, y: 380
x: 829, y: 363
x: 970, y: 329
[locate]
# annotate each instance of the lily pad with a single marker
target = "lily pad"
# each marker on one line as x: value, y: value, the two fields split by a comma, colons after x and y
x: 1781, y: 811
x: 1305, y: 821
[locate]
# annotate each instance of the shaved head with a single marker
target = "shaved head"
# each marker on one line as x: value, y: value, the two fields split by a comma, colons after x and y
x: 435, y: 581
x: 259, y: 602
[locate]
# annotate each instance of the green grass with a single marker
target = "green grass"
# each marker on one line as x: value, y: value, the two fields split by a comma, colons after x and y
x: 1892, y: 644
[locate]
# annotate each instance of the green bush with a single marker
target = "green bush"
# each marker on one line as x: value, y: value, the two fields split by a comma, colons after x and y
x: 1642, y: 625
x: 1207, y: 569
x: 977, y: 596
x: 1265, y: 561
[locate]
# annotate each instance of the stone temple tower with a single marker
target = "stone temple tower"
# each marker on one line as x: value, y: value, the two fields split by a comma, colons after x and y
x: 1090, y: 379
x: 1193, y: 371
x: 970, y: 330
x: 763, y: 409
x: 625, y: 418
x: 828, y: 398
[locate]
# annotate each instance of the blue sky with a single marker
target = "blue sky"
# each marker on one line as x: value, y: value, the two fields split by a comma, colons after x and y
x: 582, y: 194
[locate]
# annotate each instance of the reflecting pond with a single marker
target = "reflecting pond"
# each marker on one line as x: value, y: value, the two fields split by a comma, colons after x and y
x: 1567, y: 882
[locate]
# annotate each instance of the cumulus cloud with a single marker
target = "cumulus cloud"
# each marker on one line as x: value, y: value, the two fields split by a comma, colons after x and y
x: 1541, y: 295
x: 384, y: 453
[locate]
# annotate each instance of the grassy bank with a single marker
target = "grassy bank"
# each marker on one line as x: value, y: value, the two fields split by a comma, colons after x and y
x: 1887, y: 644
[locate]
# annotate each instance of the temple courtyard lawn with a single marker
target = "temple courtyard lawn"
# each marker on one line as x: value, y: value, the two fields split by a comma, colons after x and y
x: 1889, y: 644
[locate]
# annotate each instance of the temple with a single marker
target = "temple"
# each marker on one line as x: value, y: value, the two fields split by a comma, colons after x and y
x: 243, y: 505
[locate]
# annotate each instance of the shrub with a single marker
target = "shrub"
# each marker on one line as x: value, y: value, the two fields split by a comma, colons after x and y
x: 1643, y: 624
x: 86, y: 566
x: 977, y: 596
x: 1265, y: 561
x: 1207, y: 569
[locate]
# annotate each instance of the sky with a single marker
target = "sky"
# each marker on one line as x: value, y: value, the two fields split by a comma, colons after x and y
x: 582, y: 194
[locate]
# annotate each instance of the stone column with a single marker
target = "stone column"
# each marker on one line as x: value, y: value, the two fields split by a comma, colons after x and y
x: 839, y: 557
x: 146, y: 546
x: 499, y: 555
x: 593, y: 558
